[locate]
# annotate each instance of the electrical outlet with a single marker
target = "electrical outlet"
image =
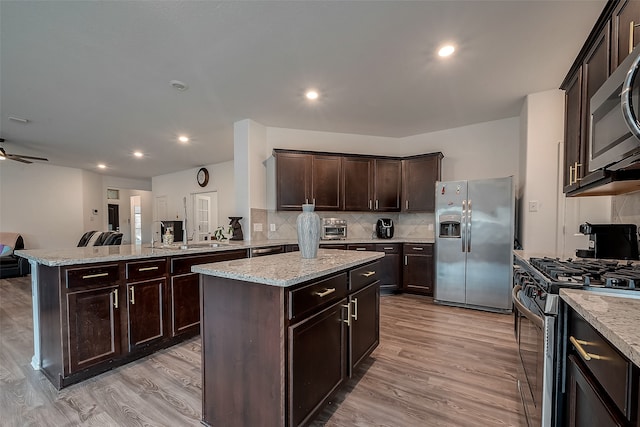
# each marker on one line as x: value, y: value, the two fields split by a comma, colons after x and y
x: 533, y: 206
x: 272, y: 227
x: 257, y: 226
x: 430, y: 227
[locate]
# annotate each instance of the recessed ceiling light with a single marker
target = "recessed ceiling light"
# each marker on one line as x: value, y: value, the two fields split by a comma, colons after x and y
x: 102, y: 166
x: 446, y: 50
x: 312, y: 95
x: 178, y: 85
x: 138, y: 153
x: 183, y: 139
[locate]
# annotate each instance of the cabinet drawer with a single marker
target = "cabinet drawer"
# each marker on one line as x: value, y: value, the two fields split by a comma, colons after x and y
x: 410, y: 249
x: 306, y: 299
x: 362, y: 247
x: 142, y: 270
x: 94, y: 275
x: 388, y: 249
x: 333, y: 246
x: 182, y: 265
x: 609, y: 367
x: 362, y: 276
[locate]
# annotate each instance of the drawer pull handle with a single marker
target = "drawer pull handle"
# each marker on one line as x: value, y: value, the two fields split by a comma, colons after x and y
x: 361, y: 249
x: 115, y: 298
x: 148, y: 268
x: 325, y: 292
x: 578, y: 345
x: 133, y: 295
x: 369, y: 273
x: 418, y: 249
x: 93, y: 276
x: 348, y: 307
x: 388, y: 249
x: 355, y: 309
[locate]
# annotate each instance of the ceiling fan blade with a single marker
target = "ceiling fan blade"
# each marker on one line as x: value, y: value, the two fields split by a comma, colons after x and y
x: 26, y: 157
x: 19, y: 159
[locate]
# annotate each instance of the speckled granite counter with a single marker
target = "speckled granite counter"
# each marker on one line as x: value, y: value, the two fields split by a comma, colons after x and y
x: 287, y: 269
x: 616, y: 318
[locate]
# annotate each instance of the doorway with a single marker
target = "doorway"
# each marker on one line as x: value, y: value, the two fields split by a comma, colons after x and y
x: 205, y: 209
x: 114, y: 217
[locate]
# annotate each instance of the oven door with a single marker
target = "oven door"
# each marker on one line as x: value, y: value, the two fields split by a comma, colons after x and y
x: 530, y: 339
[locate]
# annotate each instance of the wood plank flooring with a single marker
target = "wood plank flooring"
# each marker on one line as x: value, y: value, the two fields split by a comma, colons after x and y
x: 435, y: 366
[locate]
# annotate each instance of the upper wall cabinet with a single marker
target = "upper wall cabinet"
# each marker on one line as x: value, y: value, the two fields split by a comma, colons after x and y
x: 348, y: 182
x: 612, y: 38
x: 308, y: 178
x: 419, y: 176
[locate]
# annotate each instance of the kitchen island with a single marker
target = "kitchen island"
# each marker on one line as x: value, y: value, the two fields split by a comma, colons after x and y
x: 281, y: 334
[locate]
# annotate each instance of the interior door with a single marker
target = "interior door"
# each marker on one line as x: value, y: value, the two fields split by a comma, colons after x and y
x: 114, y: 217
x: 203, y: 217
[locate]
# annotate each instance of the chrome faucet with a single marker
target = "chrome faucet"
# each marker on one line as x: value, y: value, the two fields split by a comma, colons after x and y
x: 153, y: 231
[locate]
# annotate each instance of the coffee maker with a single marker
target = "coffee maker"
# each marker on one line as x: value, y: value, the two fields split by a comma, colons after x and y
x: 384, y: 228
x: 610, y: 241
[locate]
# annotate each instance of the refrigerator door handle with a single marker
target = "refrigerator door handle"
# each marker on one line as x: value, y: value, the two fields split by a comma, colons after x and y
x: 463, y: 225
x: 469, y: 226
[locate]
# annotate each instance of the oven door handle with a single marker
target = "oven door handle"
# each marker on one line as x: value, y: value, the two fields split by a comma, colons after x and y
x: 537, y: 320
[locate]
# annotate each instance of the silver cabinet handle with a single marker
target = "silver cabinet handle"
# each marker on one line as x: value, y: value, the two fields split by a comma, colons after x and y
x: 388, y: 249
x: 369, y: 204
x: 578, y: 345
x: 361, y: 249
x: 133, y: 295
x: 115, y: 298
x: 93, y: 276
x: 148, y: 268
x: 406, y: 260
x: 355, y: 309
x: 369, y: 273
x: 325, y: 292
x: 377, y: 204
x: 418, y: 249
x: 407, y: 205
x: 348, y: 307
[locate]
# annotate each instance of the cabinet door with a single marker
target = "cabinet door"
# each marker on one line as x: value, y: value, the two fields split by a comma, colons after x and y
x: 358, y: 183
x: 94, y: 327
x: 572, y: 129
x: 365, y: 324
x: 585, y: 404
x: 317, y: 361
x: 419, y: 183
x: 145, y: 303
x: 326, y: 183
x: 595, y: 71
x: 390, y: 273
x: 625, y: 34
x: 185, y: 304
x: 417, y: 274
x: 388, y: 178
x: 293, y: 180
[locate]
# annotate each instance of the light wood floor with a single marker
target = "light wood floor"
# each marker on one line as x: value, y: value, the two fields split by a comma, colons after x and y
x: 435, y: 366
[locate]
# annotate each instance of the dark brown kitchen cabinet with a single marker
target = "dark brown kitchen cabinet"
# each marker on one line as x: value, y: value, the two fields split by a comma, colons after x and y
x: 390, y: 267
x: 317, y: 361
x: 573, y: 146
x: 308, y: 178
x: 364, y: 326
x: 145, y: 308
x: 93, y: 317
x: 625, y: 30
x: 358, y: 183
x: 419, y: 176
x: 417, y: 274
x: 387, y: 185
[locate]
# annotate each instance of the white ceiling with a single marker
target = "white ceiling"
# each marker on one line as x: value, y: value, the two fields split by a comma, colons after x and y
x: 92, y: 77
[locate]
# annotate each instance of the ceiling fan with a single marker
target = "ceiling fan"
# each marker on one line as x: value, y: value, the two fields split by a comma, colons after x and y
x: 18, y: 157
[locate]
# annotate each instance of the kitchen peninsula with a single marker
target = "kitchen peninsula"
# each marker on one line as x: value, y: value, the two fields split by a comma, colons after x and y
x: 281, y: 334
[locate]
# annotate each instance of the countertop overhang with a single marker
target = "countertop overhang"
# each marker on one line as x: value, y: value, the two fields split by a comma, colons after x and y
x: 287, y: 269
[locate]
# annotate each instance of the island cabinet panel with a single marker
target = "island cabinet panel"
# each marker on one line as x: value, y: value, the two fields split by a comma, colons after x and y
x: 317, y: 362
x: 365, y: 325
x: 145, y: 307
x: 143, y: 270
x: 93, y: 327
x: 243, y: 353
x: 308, y: 298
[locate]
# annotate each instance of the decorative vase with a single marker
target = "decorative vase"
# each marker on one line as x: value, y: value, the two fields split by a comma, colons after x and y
x: 308, y: 224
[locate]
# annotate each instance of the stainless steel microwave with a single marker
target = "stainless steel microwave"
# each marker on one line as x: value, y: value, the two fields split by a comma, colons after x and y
x: 614, y: 138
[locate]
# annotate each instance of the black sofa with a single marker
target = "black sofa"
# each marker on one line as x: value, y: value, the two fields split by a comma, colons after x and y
x: 12, y: 265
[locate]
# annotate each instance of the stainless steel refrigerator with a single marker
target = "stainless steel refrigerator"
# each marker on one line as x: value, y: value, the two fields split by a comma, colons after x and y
x: 474, y: 243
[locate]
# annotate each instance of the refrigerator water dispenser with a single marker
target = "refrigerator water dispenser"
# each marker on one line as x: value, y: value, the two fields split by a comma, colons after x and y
x: 449, y: 226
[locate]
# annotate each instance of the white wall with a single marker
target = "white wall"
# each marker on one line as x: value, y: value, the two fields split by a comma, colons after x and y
x: 43, y: 203
x: 176, y: 186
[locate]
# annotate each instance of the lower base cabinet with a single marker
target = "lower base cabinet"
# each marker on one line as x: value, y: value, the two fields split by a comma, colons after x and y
x: 145, y: 306
x: 365, y: 324
x: 417, y: 273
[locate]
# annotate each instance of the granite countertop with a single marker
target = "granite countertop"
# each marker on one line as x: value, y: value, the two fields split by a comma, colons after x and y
x: 615, y: 317
x: 91, y: 254
x: 287, y: 269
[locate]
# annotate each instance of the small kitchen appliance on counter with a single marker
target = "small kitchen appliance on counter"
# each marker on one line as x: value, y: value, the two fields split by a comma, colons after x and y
x: 384, y: 228
x: 333, y: 229
x: 610, y: 241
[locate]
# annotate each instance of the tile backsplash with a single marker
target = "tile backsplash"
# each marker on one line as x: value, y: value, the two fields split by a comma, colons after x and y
x: 625, y: 208
x: 361, y: 225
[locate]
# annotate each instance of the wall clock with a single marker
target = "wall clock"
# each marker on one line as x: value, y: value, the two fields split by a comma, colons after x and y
x: 203, y: 177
